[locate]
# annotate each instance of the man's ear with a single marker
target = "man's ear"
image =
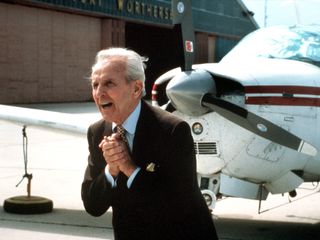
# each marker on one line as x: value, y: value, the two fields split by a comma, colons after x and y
x: 138, y: 86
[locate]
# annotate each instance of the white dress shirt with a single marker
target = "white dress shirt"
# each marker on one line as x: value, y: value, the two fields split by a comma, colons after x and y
x: 129, y: 125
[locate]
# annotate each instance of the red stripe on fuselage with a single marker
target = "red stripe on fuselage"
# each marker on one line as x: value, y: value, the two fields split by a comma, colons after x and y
x: 283, y: 89
x: 288, y: 95
x: 293, y: 101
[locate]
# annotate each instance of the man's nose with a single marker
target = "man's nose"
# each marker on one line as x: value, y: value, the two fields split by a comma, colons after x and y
x: 99, y: 91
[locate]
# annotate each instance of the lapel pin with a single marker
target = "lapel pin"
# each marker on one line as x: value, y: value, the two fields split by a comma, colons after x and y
x: 150, y: 167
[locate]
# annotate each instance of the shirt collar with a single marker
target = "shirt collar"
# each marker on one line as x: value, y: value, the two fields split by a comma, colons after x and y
x: 130, y: 123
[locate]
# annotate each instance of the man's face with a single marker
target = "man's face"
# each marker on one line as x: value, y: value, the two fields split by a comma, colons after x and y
x: 114, y: 96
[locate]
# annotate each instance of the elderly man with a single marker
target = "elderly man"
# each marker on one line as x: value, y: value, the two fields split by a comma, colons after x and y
x: 141, y: 161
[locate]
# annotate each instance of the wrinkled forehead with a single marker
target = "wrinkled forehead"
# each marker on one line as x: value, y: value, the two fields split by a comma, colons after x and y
x: 117, y: 63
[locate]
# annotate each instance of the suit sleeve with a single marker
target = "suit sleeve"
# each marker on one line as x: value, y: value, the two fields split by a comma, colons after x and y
x: 96, y: 191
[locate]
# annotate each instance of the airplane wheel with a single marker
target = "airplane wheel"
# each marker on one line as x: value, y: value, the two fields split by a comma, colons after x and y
x: 210, y: 198
x: 28, y: 205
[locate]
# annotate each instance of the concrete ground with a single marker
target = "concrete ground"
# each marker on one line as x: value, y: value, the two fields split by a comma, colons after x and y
x: 57, y: 160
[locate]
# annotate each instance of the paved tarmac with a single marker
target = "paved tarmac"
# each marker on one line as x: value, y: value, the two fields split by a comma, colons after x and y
x: 57, y: 160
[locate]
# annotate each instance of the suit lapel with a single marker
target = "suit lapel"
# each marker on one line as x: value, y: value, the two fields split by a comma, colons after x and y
x: 144, y: 140
x: 107, y: 129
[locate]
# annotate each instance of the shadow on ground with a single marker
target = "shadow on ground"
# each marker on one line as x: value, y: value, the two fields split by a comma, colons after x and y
x: 245, y: 229
x: 79, y: 223
x: 59, y: 221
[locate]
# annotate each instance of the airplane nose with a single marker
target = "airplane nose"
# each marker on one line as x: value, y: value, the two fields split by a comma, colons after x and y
x: 186, y: 90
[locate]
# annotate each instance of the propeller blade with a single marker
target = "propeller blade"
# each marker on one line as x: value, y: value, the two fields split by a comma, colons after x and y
x: 257, y: 125
x: 182, y: 19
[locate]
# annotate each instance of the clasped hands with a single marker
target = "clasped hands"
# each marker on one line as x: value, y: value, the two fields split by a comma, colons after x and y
x: 117, y: 156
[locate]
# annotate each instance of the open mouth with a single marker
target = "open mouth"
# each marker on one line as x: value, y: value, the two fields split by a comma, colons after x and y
x: 106, y: 105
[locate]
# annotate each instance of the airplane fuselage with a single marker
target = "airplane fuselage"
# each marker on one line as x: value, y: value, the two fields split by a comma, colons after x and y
x: 285, y: 98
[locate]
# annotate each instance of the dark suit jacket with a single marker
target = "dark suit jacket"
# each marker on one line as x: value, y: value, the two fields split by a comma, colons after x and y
x: 164, y: 204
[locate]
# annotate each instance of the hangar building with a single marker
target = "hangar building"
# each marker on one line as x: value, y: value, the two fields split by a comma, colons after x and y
x: 47, y: 47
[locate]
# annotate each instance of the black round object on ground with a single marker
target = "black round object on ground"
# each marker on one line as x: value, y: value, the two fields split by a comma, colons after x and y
x: 28, y: 205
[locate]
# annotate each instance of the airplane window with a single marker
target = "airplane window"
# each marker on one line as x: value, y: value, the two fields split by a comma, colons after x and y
x: 300, y: 43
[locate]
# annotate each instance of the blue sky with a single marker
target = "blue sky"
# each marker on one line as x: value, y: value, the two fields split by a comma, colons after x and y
x: 284, y: 12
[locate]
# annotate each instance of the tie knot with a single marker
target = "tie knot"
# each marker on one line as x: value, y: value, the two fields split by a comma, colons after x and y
x: 122, y: 133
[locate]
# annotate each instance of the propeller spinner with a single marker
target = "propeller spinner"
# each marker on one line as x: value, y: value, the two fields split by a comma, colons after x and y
x: 186, y: 90
x: 193, y: 92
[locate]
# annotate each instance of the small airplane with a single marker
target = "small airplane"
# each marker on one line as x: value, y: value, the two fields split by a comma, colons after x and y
x: 254, y: 115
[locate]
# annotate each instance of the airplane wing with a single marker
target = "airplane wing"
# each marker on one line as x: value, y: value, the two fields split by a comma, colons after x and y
x: 77, y: 123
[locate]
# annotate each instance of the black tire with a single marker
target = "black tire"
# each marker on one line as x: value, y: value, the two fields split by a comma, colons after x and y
x: 28, y: 205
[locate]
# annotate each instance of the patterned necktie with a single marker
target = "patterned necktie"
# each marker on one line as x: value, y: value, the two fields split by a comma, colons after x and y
x: 122, y: 133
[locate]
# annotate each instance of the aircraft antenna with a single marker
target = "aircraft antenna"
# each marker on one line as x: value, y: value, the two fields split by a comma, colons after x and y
x: 296, y: 11
x: 265, y: 12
